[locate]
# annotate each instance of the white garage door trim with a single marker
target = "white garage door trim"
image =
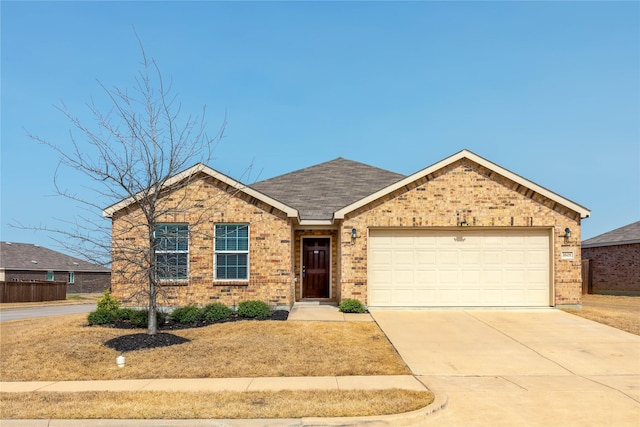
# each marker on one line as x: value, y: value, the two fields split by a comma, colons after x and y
x: 460, y: 267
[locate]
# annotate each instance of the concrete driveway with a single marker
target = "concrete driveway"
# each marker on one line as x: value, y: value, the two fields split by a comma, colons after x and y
x: 520, y: 367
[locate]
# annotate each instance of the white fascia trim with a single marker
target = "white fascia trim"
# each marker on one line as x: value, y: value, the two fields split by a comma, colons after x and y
x: 291, y: 212
x: 584, y: 212
x: 315, y: 222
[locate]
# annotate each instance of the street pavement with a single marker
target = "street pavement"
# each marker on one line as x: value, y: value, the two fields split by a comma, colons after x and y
x: 44, y: 311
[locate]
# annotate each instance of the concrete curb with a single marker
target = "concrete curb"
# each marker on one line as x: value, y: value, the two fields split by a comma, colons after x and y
x: 407, y: 419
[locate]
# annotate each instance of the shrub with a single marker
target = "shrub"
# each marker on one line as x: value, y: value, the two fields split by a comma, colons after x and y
x: 107, y: 302
x: 215, y: 312
x: 140, y: 318
x: 349, y: 305
x: 124, y: 313
x: 101, y: 316
x: 252, y: 309
x: 186, y: 314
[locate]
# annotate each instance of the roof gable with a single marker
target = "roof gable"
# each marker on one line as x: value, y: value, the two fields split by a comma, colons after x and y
x: 626, y: 235
x: 319, y: 190
x: 201, y: 168
x: 26, y: 256
x: 584, y: 212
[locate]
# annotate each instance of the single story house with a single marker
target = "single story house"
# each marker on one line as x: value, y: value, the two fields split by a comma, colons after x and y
x: 463, y: 232
x: 26, y: 262
x: 613, y: 261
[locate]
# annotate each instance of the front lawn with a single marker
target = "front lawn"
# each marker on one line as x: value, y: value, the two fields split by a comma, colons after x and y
x: 64, y: 349
x: 621, y: 312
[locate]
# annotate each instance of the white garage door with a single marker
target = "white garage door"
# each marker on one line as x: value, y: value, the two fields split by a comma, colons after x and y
x: 459, y: 268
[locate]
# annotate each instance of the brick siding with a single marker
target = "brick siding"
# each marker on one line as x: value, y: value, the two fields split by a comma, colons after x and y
x: 208, y: 202
x: 614, y: 269
x: 463, y: 191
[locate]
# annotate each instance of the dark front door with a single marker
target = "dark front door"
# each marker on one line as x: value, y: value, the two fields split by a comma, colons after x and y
x: 316, y: 264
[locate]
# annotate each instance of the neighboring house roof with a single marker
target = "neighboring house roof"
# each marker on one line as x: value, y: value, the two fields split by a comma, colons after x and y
x: 27, y: 256
x: 629, y: 234
x: 320, y: 194
x: 318, y: 191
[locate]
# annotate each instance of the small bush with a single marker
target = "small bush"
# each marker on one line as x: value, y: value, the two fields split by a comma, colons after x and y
x: 186, y: 314
x: 254, y: 309
x: 140, y: 318
x: 125, y: 313
x: 101, y: 317
x: 349, y: 305
x: 215, y: 312
x: 107, y: 302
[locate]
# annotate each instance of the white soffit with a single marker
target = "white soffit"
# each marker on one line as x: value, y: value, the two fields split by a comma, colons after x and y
x: 584, y: 212
x: 291, y: 212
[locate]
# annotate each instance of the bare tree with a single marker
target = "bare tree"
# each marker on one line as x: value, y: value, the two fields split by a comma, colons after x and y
x: 133, y: 152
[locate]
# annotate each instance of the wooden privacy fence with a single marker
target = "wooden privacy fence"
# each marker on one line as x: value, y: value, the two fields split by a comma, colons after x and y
x: 32, y: 291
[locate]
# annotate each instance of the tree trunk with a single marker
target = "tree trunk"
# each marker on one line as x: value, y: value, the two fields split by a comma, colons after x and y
x: 152, y: 325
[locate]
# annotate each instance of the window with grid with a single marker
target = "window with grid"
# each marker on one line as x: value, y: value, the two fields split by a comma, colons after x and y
x: 172, y: 251
x: 232, y: 252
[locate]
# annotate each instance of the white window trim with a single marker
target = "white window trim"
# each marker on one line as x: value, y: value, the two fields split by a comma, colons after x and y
x: 169, y: 279
x: 72, y: 277
x: 216, y: 252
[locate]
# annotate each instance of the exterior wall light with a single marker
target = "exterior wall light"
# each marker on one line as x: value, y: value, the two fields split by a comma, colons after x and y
x: 354, y: 233
x: 567, y: 233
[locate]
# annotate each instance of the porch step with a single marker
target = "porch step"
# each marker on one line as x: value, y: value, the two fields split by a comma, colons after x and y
x: 315, y: 302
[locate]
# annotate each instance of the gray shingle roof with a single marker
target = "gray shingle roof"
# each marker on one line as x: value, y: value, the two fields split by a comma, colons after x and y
x: 620, y: 236
x: 318, y: 191
x: 21, y: 256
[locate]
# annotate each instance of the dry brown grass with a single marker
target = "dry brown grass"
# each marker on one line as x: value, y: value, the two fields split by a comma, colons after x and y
x: 63, y: 348
x: 621, y: 312
x: 163, y: 405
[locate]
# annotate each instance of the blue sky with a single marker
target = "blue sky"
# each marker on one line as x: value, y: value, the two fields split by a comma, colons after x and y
x: 548, y: 90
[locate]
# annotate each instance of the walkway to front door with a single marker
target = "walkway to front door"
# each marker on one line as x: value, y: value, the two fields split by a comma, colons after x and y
x: 316, y: 264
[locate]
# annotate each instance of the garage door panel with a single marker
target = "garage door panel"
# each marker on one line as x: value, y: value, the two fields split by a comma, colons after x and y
x: 403, y: 257
x: 424, y: 277
x: 381, y: 257
x: 424, y: 256
x: 459, y: 268
x: 403, y: 277
x: 537, y: 256
x: 425, y: 296
x: 447, y: 257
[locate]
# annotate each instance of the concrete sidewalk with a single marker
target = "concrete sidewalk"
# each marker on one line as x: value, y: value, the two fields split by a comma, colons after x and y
x: 323, y: 312
x: 407, y: 382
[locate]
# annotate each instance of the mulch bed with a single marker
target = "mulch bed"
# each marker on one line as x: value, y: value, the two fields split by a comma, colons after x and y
x: 142, y: 341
